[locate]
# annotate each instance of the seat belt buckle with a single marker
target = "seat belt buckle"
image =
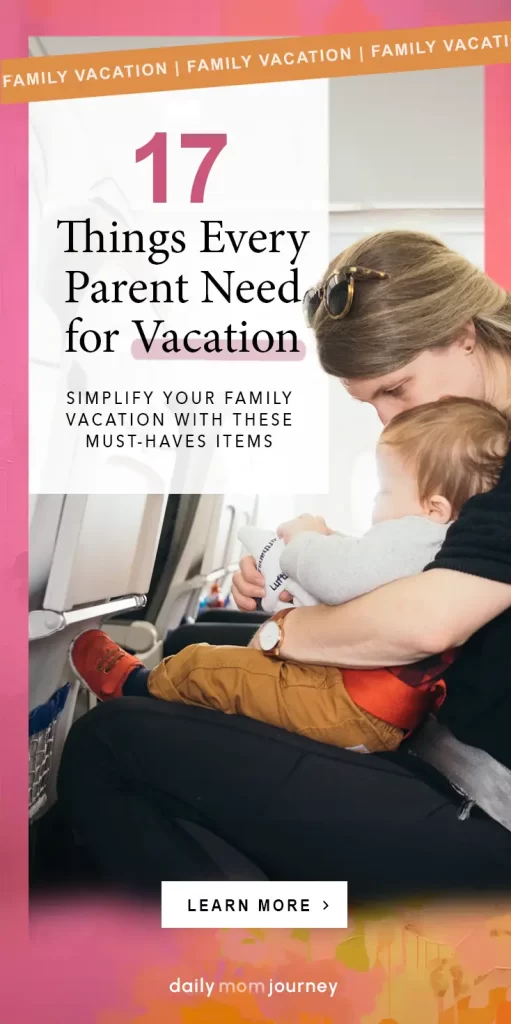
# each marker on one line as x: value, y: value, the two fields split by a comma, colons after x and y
x: 465, y: 809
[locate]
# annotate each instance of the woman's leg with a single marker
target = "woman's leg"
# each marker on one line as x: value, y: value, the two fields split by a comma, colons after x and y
x: 297, y: 809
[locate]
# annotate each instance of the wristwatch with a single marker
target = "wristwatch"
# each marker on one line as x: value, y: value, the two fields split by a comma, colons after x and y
x: 271, y: 634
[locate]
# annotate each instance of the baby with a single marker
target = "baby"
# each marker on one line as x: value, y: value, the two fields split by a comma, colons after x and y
x: 431, y: 460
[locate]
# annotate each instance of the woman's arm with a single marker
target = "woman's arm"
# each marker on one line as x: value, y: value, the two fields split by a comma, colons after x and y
x: 396, y: 625
x: 467, y: 585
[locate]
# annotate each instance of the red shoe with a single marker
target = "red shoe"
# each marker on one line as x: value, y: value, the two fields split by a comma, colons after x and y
x: 100, y: 663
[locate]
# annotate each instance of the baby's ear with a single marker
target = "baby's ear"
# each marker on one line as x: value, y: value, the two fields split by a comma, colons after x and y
x: 439, y: 509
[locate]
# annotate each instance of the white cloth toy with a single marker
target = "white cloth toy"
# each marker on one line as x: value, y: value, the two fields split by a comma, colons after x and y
x: 332, y: 569
x: 267, y: 549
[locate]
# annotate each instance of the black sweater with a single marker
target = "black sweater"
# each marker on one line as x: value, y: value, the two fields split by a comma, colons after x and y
x: 478, y: 704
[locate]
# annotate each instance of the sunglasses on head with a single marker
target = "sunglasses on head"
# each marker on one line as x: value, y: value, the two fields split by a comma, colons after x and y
x: 337, y: 293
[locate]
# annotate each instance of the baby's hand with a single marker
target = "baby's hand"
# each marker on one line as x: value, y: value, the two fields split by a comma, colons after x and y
x: 288, y: 531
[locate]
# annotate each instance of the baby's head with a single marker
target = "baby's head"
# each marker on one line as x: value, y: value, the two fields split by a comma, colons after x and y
x: 435, y: 457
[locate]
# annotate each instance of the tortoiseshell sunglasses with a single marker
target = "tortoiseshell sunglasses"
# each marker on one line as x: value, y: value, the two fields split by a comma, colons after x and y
x: 337, y: 293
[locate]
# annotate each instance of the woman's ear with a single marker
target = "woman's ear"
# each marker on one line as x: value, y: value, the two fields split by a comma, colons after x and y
x: 439, y: 509
x: 468, y: 338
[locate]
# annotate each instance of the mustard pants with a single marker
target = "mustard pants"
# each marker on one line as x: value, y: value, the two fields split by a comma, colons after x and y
x: 306, y: 699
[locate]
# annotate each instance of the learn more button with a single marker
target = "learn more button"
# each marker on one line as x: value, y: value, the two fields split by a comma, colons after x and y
x: 254, y: 905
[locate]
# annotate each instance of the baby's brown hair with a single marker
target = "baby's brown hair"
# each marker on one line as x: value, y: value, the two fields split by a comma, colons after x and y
x: 457, y: 446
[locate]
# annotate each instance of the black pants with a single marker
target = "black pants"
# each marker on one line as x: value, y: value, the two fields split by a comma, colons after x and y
x: 134, y: 769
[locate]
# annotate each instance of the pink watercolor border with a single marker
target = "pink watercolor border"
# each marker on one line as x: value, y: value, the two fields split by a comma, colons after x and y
x: 156, y: 17
x: 13, y: 477
x: 498, y: 174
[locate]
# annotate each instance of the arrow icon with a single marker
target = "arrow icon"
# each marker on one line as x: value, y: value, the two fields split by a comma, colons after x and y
x: 325, y: 904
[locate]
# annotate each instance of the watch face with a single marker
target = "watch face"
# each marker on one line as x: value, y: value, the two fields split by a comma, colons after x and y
x: 269, y: 636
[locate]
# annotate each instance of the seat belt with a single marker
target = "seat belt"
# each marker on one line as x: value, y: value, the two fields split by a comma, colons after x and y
x: 384, y: 694
x: 474, y: 773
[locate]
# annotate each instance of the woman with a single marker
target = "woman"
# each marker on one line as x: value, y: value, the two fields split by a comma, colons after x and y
x: 425, y: 325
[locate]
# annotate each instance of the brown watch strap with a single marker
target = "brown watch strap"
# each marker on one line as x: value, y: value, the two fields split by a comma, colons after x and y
x: 279, y: 617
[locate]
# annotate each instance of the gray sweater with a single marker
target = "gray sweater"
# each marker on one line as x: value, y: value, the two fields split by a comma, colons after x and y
x: 336, y: 569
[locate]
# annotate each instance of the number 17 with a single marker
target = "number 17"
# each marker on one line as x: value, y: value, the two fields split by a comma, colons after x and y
x: 157, y: 148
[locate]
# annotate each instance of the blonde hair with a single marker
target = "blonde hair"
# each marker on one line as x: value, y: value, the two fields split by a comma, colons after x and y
x: 429, y: 297
x: 457, y: 447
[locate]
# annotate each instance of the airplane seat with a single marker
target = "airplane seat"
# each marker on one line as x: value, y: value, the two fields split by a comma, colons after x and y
x: 135, y: 630
x: 232, y: 634
x: 91, y: 556
x: 197, y: 548
x: 168, y: 529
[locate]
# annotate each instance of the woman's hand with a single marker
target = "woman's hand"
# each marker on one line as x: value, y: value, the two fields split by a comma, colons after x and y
x: 311, y: 524
x: 247, y: 585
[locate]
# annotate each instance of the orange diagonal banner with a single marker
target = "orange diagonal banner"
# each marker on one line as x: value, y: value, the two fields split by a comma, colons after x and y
x: 166, y: 68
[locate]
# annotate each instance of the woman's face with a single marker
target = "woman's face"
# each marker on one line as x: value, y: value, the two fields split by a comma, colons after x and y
x: 437, y: 373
